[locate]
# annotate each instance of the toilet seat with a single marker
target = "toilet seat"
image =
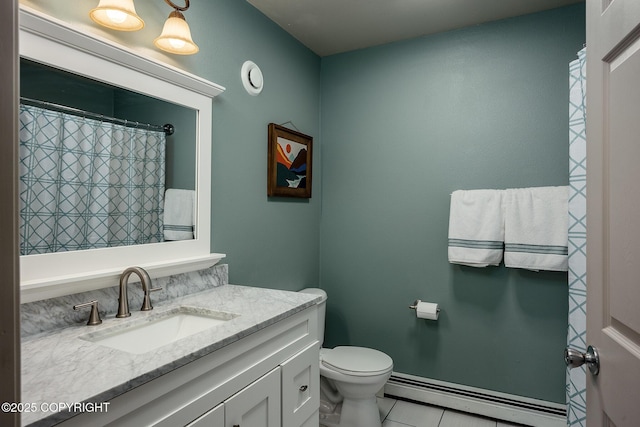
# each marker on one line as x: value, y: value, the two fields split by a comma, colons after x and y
x: 356, y: 361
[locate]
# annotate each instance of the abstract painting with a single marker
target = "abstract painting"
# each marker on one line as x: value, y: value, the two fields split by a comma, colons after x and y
x: 289, y: 167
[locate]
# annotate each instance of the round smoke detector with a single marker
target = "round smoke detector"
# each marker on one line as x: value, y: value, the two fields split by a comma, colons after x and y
x: 252, y: 79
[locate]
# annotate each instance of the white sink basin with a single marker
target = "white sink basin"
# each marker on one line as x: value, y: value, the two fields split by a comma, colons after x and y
x: 143, y: 335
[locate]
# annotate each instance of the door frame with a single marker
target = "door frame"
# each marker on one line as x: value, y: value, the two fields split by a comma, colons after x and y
x: 9, y: 258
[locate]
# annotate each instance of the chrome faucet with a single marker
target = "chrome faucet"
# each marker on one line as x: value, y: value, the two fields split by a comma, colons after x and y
x: 123, y: 300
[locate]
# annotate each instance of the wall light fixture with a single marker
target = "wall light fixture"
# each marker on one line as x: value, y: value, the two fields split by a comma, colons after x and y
x: 176, y: 35
x: 117, y: 15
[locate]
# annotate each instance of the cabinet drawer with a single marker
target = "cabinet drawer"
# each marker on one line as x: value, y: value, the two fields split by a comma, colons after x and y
x: 301, y: 386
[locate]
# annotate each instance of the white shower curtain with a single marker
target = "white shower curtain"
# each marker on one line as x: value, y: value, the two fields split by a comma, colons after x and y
x: 87, y: 184
x: 577, y: 333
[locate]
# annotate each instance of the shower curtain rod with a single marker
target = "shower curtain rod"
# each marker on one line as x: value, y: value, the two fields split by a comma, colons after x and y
x: 168, y: 129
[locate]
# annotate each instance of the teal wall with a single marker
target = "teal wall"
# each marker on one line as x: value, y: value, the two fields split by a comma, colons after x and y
x: 404, y: 125
x: 270, y: 242
x: 397, y: 128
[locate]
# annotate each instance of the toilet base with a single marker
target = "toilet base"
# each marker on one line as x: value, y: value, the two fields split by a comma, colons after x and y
x: 330, y: 417
x: 354, y: 413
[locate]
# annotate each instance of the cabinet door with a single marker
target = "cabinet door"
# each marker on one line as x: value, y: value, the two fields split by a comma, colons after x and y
x: 257, y: 405
x: 213, y: 418
x: 313, y: 421
x: 301, y: 387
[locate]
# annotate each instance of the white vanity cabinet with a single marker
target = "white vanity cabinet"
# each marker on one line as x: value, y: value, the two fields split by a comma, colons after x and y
x: 301, y: 387
x: 257, y: 405
x: 287, y: 396
x: 214, y: 417
x: 270, y: 378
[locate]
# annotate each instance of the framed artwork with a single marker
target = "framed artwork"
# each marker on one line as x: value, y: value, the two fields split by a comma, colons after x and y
x: 289, y: 167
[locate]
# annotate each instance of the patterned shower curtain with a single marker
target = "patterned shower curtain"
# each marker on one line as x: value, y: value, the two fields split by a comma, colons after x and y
x: 577, y: 333
x: 87, y: 184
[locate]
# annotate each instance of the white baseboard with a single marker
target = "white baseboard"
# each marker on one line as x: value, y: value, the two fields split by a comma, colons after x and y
x: 501, y: 406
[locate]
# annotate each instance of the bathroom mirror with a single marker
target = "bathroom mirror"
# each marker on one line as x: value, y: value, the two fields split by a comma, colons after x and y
x: 52, y: 43
x: 76, y: 170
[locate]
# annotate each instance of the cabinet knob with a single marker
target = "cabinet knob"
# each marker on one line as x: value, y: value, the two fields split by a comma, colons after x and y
x: 304, y: 387
x: 236, y: 425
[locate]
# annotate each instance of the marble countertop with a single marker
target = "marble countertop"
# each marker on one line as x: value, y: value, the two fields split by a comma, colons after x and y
x: 59, y: 366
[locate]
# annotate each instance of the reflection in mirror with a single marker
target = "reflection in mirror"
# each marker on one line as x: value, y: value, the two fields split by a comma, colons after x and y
x: 46, y: 40
x: 86, y: 182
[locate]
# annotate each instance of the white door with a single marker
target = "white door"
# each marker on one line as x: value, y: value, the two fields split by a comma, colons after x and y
x: 257, y: 405
x: 613, y: 210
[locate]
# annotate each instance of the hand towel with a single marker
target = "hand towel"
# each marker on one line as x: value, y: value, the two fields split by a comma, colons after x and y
x: 476, y: 228
x: 536, y: 228
x: 179, y: 209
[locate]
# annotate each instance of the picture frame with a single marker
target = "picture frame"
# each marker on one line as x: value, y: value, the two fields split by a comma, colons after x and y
x: 289, y: 163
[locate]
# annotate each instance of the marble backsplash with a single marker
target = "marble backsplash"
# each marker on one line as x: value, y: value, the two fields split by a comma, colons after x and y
x: 56, y: 313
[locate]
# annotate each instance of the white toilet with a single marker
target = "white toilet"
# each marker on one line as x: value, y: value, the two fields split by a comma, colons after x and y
x: 350, y: 377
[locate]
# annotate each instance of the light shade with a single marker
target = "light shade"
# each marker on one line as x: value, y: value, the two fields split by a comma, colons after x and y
x: 117, y: 14
x: 176, y: 36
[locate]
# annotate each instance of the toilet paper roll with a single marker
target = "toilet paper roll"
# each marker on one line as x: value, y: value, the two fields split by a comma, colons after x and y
x: 427, y: 310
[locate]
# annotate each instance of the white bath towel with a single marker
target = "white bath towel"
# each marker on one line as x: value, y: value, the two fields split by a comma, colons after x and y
x: 476, y: 228
x: 536, y: 228
x: 179, y: 210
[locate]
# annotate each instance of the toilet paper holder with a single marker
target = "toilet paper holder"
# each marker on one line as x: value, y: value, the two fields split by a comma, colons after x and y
x: 415, y: 305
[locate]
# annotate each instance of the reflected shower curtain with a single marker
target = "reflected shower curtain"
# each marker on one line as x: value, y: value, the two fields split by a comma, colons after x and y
x: 577, y: 333
x: 87, y: 184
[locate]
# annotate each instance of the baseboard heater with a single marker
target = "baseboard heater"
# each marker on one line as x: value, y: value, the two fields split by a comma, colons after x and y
x: 488, y: 403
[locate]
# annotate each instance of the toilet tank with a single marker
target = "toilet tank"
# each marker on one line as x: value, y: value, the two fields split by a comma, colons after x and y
x: 322, y: 309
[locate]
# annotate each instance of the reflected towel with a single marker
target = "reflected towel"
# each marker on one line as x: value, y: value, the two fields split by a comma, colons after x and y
x: 476, y: 228
x: 179, y: 209
x: 536, y: 228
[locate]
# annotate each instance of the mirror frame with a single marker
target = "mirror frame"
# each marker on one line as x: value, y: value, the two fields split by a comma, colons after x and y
x: 53, y: 42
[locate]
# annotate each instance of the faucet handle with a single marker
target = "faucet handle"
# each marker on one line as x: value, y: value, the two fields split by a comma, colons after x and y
x: 94, y: 316
x: 146, y: 303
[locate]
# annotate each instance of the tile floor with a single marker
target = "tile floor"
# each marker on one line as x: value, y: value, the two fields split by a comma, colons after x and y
x: 398, y: 413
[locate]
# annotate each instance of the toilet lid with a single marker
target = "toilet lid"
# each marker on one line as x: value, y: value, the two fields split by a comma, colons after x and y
x: 356, y: 360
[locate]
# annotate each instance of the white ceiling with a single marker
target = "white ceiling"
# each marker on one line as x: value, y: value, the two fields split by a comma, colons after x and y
x: 334, y: 26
